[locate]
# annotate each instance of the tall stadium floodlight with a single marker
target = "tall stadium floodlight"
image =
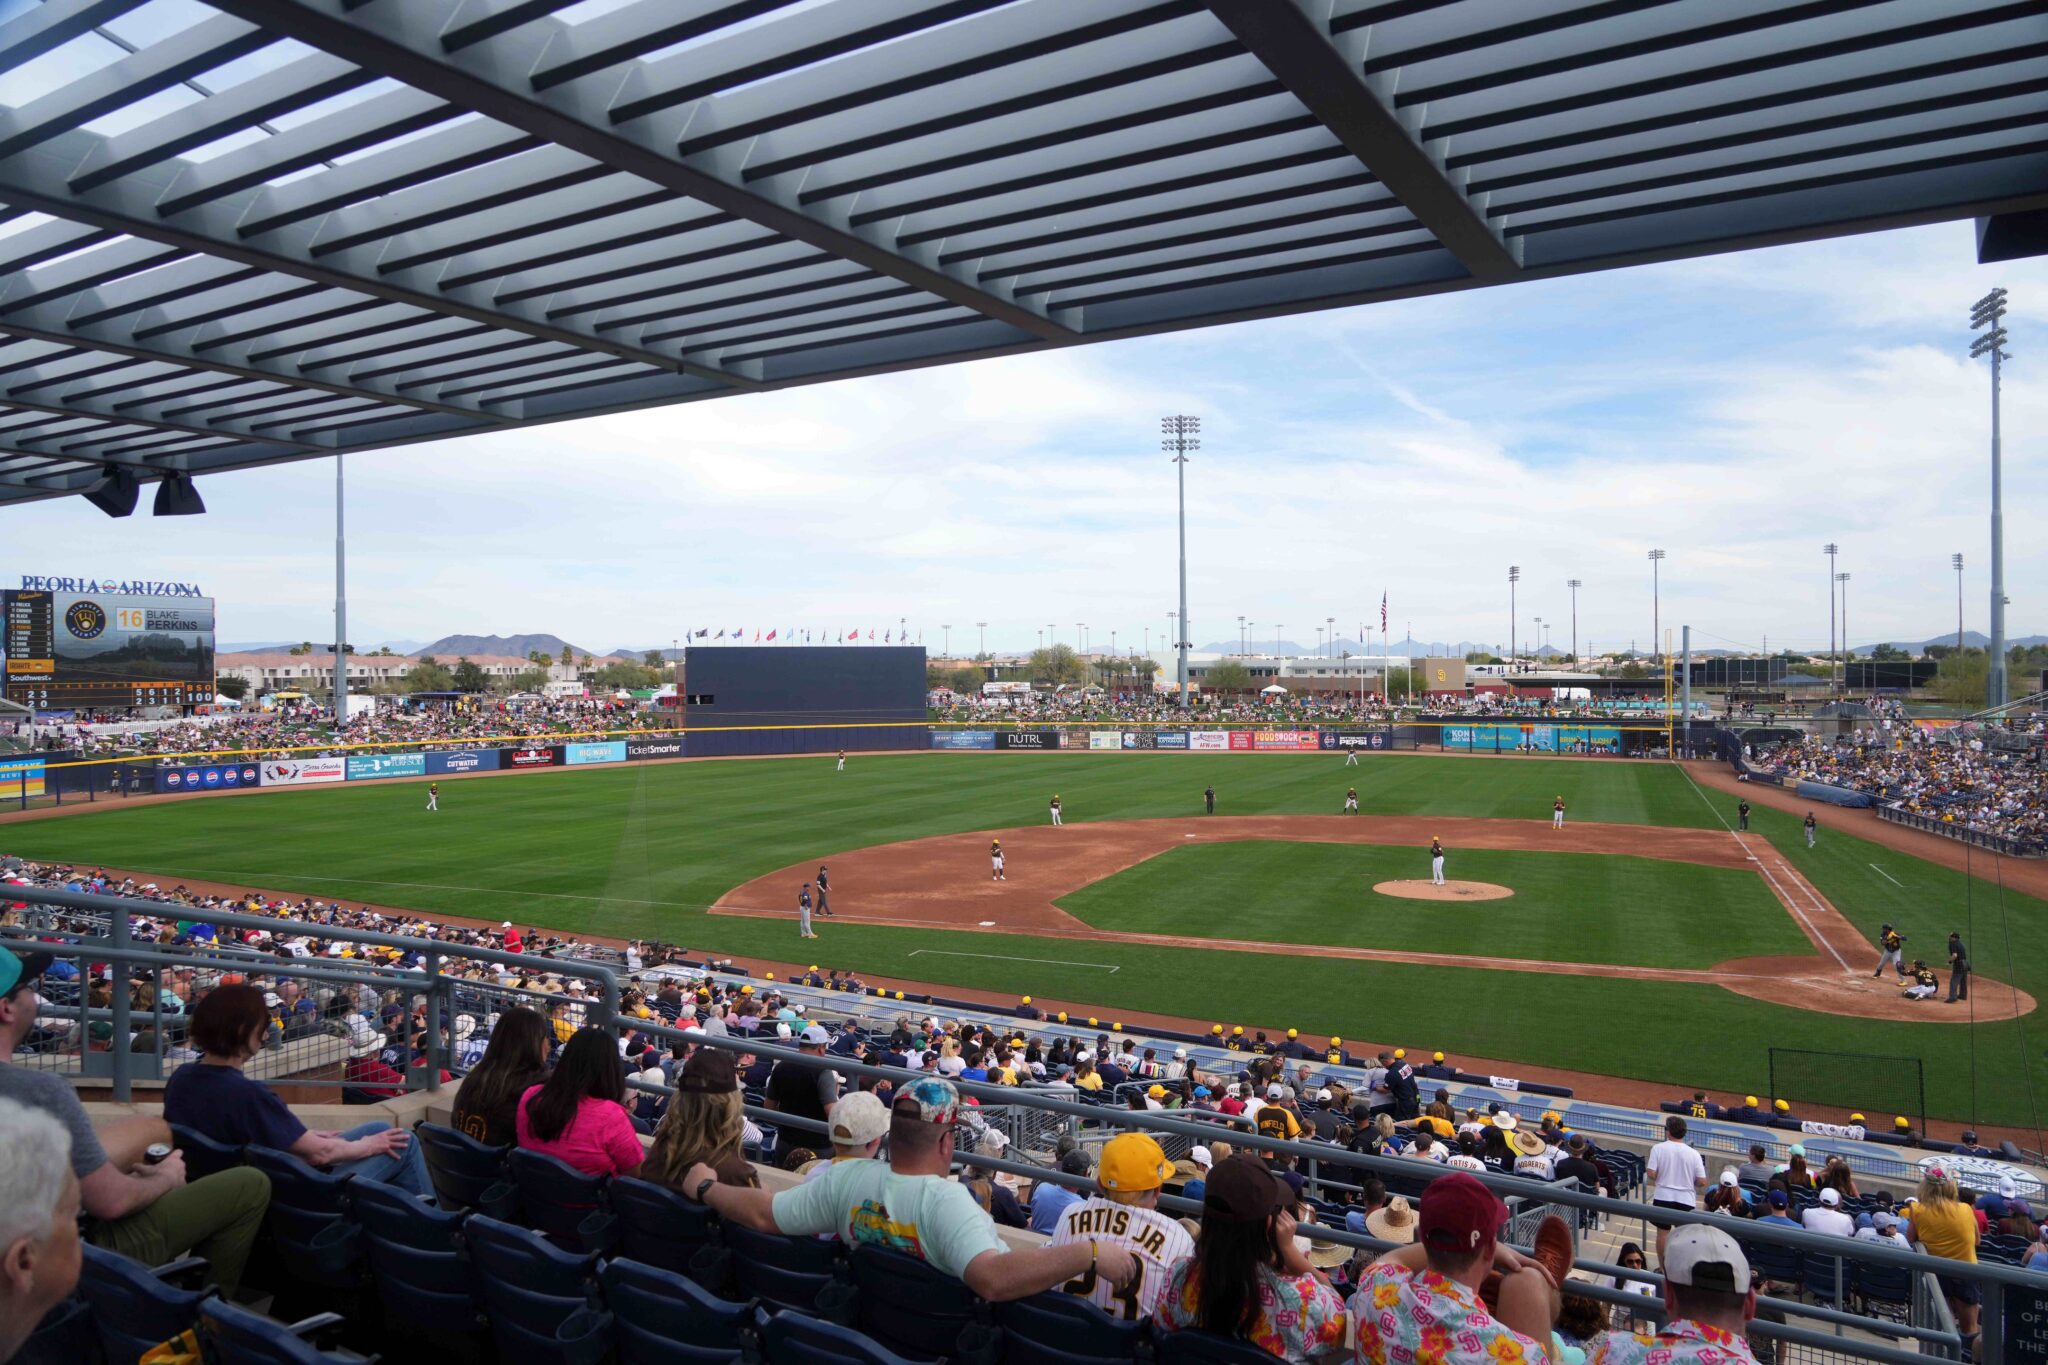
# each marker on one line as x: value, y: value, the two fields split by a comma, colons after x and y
x: 1330, y: 632
x: 946, y: 648
x: 1240, y: 635
x: 1987, y: 312
x: 1956, y: 562
x: 1656, y: 607
x: 1574, y: 584
x: 1831, y: 550
x: 1277, y: 628
x: 340, y: 606
x: 1514, y: 577
x: 1842, y: 586
x: 1182, y: 434
x: 982, y: 626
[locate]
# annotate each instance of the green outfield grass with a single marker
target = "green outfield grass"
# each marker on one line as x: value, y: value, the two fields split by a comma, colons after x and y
x: 1567, y: 907
x: 643, y: 849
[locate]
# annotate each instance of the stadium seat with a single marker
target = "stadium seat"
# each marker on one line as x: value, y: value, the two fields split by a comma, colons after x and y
x: 1206, y: 1348
x: 557, y: 1199
x: 800, y: 1339
x: 135, y: 1307
x: 238, y: 1336
x: 660, y: 1317
x: 65, y: 1336
x: 417, y: 1264
x: 788, y: 1272
x: 203, y: 1156
x: 304, y: 1205
x: 463, y: 1170
x: 1885, y: 1291
x: 1056, y: 1328
x: 659, y: 1227
x: 529, y: 1287
x: 1828, y: 1278
x: 906, y: 1305
x: 1777, y: 1264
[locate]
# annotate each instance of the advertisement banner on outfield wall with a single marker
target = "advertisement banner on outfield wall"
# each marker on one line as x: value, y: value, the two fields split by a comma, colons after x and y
x: 21, y: 777
x: 1592, y: 739
x: 1376, y: 739
x: 1292, y: 741
x: 1241, y: 739
x: 1208, y: 741
x: 203, y: 777
x: 1105, y: 739
x: 1027, y: 739
x: 300, y: 772
x: 1170, y: 739
x: 462, y: 761
x: 1140, y: 739
x: 963, y: 739
x: 366, y: 767
x: 531, y: 756
x: 666, y: 746
x: 595, y: 751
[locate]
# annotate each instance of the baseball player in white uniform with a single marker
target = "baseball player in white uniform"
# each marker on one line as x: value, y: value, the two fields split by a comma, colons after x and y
x: 1124, y: 1211
x: 1557, y: 813
x: 1055, y: 810
x: 803, y: 912
x: 995, y: 861
x: 1351, y: 758
x: 1436, y: 862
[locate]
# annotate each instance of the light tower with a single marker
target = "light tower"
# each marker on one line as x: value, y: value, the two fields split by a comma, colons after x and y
x: 1182, y: 434
x: 982, y: 626
x: 1574, y: 584
x: 1956, y: 562
x: 1656, y: 608
x: 1842, y: 580
x: 1988, y: 312
x: 1514, y: 577
x: 1831, y: 549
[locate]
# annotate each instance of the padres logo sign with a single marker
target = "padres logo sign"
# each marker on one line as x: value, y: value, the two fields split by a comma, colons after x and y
x: 85, y: 619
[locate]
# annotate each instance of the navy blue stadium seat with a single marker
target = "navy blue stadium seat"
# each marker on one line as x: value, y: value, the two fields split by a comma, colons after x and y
x: 788, y: 1272
x: 1056, y: 1328
x: 660, y: 1317
x: 239, y: 1336
x: 1780, y: 1265
x: 1886, y: 1291
x: 1828, y: 1278
x: 557, y: 1199
x: 65, y: 1336
x: 1205, y: 1348
x: 528, y: 1286
x: 800, y: 1339
x: 462, y: 1169
x: 135, y: 1307
x: 906, y: 1305
x: 203, y: 1156
x: 657, y: 1226
x: 307, y: 1221
x: 417, y: 1265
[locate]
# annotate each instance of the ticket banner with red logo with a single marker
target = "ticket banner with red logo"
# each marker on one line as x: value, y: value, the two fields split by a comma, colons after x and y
x: 1289, y: 740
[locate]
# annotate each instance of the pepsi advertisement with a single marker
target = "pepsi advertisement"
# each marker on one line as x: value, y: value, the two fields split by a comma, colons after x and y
x: 206, y: 777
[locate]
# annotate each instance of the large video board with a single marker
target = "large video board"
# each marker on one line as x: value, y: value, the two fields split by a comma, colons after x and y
x: 78, y: 649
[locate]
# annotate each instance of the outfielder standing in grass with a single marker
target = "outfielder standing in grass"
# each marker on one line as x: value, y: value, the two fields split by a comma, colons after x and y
x: 433, y: 796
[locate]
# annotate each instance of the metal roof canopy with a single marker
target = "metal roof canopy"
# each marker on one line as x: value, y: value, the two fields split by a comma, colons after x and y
x: 268, y: 230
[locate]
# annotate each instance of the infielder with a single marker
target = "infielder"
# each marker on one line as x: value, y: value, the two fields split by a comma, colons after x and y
x: 1557, y: 812
x: 1351, y: 800
x: 433, y: 796
x: 803, y: 912
x: 824, y: 908
x: 1209, y: 800
x: 1811, y: 826
x: 1055, y: 810
x: 995, y: 861
x: 1893, y: 942
x: 1436, y: 862
x: 1124, y: 1211
x: 1351, y: 758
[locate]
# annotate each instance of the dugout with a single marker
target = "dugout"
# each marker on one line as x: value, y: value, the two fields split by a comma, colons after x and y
x: 799, y: 699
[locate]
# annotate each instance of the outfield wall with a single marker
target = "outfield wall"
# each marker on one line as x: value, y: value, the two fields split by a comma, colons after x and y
x: 802, y: 699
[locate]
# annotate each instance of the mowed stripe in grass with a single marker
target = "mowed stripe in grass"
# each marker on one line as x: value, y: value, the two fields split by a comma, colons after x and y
x: 1567, y: 907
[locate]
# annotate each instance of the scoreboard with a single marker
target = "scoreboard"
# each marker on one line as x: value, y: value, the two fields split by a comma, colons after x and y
x: 71, y: 649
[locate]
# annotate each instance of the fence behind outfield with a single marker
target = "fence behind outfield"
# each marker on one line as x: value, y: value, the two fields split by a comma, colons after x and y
x: 1903, y: 1317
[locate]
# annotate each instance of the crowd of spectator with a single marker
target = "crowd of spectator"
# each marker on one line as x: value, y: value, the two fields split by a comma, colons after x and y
x: 1962, y: 775
x: 1306, y: 708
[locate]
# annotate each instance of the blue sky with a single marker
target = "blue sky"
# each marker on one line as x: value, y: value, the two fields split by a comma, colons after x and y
x: 1737, y: 412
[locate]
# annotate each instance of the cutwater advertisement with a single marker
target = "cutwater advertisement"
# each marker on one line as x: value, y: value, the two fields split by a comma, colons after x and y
x: 462, y: 761
x: 362, y: 767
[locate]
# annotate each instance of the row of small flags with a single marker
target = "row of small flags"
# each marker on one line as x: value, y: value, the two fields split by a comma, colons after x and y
x: 738, y: 635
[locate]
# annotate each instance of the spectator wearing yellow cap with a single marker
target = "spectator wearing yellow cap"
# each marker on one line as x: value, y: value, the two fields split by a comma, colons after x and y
x: 1027, y: 1010
x: 1124, y: 1211
x: 1748, y: 1112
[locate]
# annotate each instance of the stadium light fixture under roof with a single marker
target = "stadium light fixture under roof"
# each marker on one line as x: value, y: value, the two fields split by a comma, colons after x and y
x: 270, y: 230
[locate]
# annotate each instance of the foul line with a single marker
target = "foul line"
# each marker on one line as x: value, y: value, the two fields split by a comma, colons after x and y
x: 1003, y: 957
x: 284, y: 877
x: 1783, y: 895
x: 1886, y: 875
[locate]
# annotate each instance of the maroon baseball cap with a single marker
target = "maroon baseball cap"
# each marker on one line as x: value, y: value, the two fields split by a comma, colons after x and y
x: 1459, y: 1215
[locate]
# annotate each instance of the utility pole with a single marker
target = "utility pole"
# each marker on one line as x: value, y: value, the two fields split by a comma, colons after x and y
x: 1656, y: 609
x: 1330, y: 631
x: 1514, y: 577
x: 1843, y: 580
x: 947, y: 647
x: 1574, y: 584
x: 1240, y: 635
x: 1988, y: 312
x: 340, y: 607
x: 982, y: 626
x: 1182, y: 434
x: 1832, y: 550
x: 1957, y: 562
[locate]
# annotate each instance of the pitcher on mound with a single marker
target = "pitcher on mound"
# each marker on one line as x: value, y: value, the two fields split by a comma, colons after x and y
x: 1436, y: 862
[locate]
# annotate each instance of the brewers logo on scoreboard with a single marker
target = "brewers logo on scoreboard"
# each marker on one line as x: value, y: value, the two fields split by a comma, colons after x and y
x: 85, y: 619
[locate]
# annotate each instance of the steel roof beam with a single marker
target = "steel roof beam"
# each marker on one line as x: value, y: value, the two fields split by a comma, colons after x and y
x: 1326, y: 73
x: 402, y: 42
x: 48, y: 26
x: 220, y: 229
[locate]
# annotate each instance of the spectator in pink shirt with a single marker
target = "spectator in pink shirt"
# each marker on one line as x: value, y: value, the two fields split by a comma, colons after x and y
x: 578, y: 1115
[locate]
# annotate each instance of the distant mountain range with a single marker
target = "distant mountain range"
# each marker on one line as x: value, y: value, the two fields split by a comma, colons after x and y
x: 1972, y: 639
x: 512, y: 646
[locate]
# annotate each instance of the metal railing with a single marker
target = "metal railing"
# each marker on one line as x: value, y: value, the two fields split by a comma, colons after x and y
x: 98, y: 931
x: 1962, y: 833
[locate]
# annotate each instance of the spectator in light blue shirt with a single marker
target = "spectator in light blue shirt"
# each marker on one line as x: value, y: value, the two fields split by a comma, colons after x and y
x: 1047, y: 1200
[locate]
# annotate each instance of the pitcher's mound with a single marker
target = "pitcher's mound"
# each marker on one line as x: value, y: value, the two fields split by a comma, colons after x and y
x: 1449, y: 891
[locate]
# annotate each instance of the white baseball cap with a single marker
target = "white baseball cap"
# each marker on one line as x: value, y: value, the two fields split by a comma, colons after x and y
x: 1201, y: 1157
x: 858, y: 1119
x: 2007, y: 1189
x: 1702, y: 1257
x: 1831, y: 1197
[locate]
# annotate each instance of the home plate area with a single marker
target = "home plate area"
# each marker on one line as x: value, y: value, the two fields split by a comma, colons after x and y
x: 1420, y: 890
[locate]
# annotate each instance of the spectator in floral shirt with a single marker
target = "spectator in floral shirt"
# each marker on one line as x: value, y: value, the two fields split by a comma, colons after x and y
x: 1249, y: 1279
x: 1707, y: 1290
x: 1458, y: 1295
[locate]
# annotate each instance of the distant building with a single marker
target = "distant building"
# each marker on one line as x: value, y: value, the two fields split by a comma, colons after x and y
x: 278, y: 671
